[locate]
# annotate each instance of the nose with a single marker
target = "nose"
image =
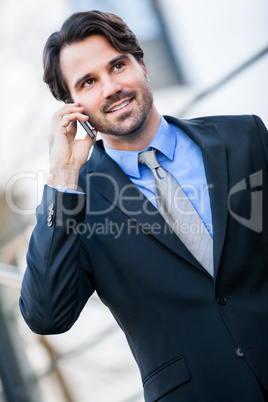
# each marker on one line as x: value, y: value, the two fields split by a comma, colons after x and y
x: 110, y: 87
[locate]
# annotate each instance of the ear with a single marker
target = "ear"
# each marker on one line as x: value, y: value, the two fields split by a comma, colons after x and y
x: 68, y: 99
x: 145, y: 69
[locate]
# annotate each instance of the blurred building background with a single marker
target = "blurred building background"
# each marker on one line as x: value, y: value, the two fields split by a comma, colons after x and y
x: 204, y: 57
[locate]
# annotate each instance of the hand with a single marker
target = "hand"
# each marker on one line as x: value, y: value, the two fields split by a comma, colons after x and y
x: 67, y: 154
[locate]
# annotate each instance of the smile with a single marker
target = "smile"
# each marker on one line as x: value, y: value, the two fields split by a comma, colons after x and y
x: 119, y: 107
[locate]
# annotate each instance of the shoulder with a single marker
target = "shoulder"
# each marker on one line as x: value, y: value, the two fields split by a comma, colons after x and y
x: 245, y: 120
x: 234, y: 131
x: 236, y: 125
x: 219, y: 120
x: 227, y: 126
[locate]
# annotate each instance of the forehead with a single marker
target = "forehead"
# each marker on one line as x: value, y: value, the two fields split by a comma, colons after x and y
x: 87, y: 56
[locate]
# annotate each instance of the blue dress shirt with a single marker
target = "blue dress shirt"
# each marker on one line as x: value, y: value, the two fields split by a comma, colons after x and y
x: 177, y: 154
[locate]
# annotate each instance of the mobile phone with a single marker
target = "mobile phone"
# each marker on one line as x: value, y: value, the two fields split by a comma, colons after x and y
x: 87, y: 126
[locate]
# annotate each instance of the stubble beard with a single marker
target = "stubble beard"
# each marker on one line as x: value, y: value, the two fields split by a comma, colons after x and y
x: 128, y: 123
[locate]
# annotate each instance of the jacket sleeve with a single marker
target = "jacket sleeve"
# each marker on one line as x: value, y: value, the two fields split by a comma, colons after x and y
x: 57, y: 281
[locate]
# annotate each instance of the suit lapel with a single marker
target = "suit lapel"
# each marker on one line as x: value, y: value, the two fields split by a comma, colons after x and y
x: 214, y: 155
x: 208, y: 138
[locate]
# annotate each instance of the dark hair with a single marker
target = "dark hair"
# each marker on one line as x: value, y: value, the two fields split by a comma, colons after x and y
x: 76, y: 28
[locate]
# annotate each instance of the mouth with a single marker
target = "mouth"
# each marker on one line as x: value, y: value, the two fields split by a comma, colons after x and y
x: 120, y: 106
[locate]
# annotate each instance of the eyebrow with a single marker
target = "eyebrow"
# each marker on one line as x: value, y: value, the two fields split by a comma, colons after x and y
x: 90, y: 75
x: 82, y: 79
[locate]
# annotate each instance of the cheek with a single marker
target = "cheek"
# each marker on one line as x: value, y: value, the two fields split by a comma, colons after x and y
x: 142, y: 79
x: 132, y: 78
x: 88, y: 101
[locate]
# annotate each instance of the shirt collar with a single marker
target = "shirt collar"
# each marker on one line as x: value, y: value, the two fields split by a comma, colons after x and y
x: 164, y: 141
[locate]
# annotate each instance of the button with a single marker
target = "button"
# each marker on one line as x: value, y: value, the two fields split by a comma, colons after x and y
x: 49, y: 223
x: 221, y: 300
x: 239, y: 352
x: 51, y: 207
x: 50, y: 213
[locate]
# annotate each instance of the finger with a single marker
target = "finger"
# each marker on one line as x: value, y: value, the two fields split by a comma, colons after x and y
x: 68, y: 118
x: 69, y: 108
x: 66, y: 109
x: 65, y: 125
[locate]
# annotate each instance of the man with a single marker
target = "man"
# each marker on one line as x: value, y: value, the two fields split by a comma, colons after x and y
x: 196, y: 319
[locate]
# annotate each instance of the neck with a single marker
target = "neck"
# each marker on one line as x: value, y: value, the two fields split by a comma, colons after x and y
x: 139, y: 140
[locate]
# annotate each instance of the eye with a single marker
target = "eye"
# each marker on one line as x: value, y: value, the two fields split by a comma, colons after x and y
x: 118, y: 66
x: 88, y: 82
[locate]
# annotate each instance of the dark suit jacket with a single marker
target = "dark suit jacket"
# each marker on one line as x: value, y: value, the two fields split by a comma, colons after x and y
x: 194, y: 338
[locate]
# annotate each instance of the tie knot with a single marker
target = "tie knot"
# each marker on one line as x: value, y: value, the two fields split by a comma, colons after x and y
x: 149, y: 158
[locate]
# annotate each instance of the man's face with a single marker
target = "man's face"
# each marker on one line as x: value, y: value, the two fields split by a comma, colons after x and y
x: 113, y: 87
